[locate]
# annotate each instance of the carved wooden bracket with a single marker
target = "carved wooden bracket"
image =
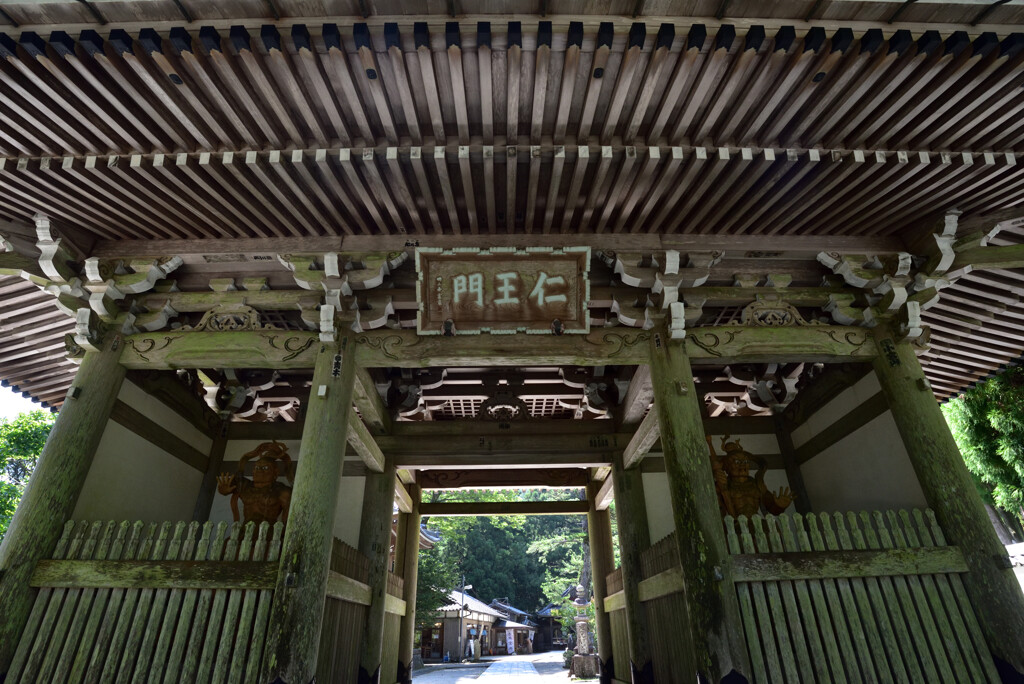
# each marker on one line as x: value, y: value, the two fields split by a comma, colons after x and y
x: 658, y: 278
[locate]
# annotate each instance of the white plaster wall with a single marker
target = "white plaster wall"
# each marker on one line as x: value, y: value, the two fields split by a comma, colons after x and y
x: 659, y: 505
x: 867, y: 470
x: 848, y: 399
x: 349, y: 510
x: 164, y: 416
x: 133, y: 479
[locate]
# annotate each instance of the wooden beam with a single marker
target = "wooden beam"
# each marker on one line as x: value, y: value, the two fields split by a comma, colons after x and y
x: 297, y: 349
x: 616, y: 601
x: 663, y: 584
x: 642, y: 441
x: 402, y: 498
x: 131, y: 574
x: 638, y: 399
x: 502, y: 478
x: 158, y: 436
x: 795, y: 477
x: 370, y: 405
x: 406, y: 349
x: 360, y: 439
x: 1010, y: 256
x: 441, y: 430
x: 845, y: 425
x: 345, y: 588
x: 604, y: 496
x: 807, y: 245
x: 715, y: 346
x: 767, y: 567
x: 505, y: 451
x: 505, y: 508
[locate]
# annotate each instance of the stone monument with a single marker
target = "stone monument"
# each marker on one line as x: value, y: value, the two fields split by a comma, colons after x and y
x: 585, y: 662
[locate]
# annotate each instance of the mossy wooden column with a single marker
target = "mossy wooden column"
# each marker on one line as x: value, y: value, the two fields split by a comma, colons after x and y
x: 716, y: 630
x: 52, y: 492
x: 949, y: 489
x: 410, y: 573
x: 602, y: 562
x: 375, y: 544
x: 297, y: 611
x: 634, y: 539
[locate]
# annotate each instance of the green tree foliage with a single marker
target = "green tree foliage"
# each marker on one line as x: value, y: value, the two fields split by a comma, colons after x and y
x: 524, y: 559
x: 21, y: 442
x: 988, y: 425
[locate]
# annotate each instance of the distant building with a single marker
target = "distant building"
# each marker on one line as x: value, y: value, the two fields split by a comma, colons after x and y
x: 494, y: 627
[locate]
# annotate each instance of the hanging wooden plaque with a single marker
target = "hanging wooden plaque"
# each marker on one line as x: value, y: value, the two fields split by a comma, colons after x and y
x: 533, y: 290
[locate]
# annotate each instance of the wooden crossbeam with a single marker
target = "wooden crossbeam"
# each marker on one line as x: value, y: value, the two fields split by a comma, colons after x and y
x: 1010, y: 256
x: 501, y: 478
x: 360, y: 439
x: 402, y: 498
x: 794, y: 245
x: 141, y: 574
x: 505, y: 508
x: 604, y: 496
x: 642, y: 441
x: 762, y: 567
x: 345, y: 588
x: 369, y: 403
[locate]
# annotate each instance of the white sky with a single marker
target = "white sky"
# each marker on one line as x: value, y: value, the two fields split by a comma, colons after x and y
x: 11, y: 404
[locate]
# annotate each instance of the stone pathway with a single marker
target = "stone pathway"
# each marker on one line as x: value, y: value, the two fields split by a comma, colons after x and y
x: 544, y: 668
x: 507, y: 670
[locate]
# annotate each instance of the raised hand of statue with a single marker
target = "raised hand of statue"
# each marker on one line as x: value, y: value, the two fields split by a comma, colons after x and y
x: 226, y: 483
x: 784, y: 497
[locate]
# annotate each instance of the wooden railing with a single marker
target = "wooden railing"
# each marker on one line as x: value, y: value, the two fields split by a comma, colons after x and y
x: 345, y: 615
x: 162, y: 603
x: 613, y: 581
x: 341, y: 634
x: 855, y: 597
x: 827, y: 597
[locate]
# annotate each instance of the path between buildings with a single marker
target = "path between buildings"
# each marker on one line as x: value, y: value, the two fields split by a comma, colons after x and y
x: 543, y: 668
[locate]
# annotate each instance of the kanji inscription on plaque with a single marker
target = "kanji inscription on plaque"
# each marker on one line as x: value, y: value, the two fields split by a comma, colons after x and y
x: 533, y: 290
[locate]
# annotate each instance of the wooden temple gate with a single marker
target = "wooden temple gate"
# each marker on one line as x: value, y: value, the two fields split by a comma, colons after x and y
x: 421, y: 252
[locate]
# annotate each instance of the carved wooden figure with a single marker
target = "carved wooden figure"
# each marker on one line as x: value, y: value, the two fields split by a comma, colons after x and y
x: 738, y: 492
x: 264, y: 499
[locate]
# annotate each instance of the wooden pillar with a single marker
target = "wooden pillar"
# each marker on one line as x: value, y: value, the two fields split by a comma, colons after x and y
x: 718, y: 645
x: 411, y: 558
x: 52, y: 491
x: 602, y: 562
x: 297, y: 611
x: 375, y: 544
x: 634, y: 539
x: 950, y: 492
x: 794, y: 475
x: 214, y: 466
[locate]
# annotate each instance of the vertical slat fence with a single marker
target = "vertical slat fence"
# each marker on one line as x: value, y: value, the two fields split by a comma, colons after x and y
x: 619, y: 629
x: 100, y: 618
x: 343, y: 622
x: 666, y: 615
x: 854, y: 598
